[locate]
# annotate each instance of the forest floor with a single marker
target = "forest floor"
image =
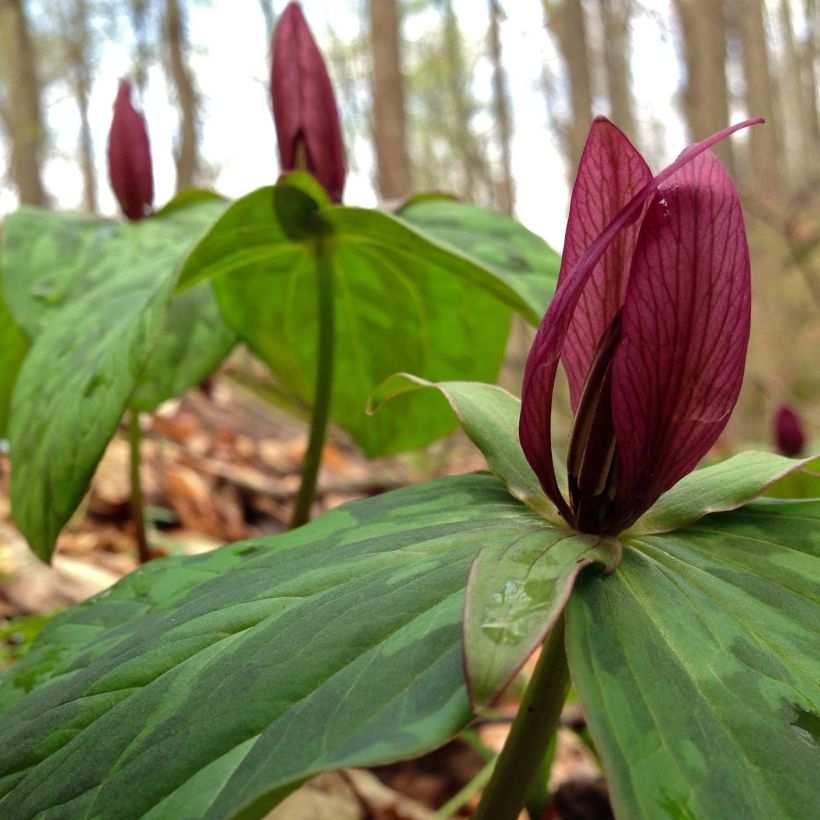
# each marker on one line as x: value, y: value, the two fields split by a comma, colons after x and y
x: 221, y: 465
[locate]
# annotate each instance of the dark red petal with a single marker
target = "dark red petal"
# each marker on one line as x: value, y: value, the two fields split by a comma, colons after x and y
x: 542, y: 363
x: 129, y: 157
x: 610, y: 173
x: 304, y: 106
x: 679, y: 364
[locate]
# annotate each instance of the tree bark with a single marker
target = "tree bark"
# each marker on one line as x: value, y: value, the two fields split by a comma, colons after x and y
x: 615, y: 16
x: 565, y: 19
x: 764, y: 177
x: 706, y: 95
x: 78, y: 42
x: 25, y: 117
x: 800, y: 105
x: 506, y: 190
x: 462, y: 105
x: 389, y: 123
x: 187, y: 152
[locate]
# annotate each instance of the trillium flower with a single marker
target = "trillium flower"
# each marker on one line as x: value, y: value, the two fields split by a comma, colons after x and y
x: 788, y: 431
x: 129, y: 157
x: 304, y: 106
x: 651, y: 321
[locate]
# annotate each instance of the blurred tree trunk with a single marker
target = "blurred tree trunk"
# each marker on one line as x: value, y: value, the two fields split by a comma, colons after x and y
x: 800, y: 97
x: 187, y: 152
x: 138, y: 11
x: 24, y: 112
x: 565, y: 19
x: 461, y: 101
x: 765, y: 179
x: 77, y: 32
x: 266, y: 6
x: 706, y: 95
x: 389, y: 125
x: 615, y: 16
x: 506, y: 191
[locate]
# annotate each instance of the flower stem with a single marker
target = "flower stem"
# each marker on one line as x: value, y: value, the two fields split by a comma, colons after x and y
x: 322, y: 395
x: 531, y: 733
x: 137, y: 513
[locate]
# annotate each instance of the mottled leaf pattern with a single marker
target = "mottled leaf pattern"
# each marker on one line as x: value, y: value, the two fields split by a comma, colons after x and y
x: 697, y: 663
x: 230, y: 677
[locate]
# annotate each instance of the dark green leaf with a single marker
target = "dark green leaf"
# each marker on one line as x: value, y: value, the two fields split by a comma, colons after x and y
x: 194, y: 341
x: 83, y: 366
x: 402, y: 303
x: 228, y: 678
x: 13, y: 349
x: 697, y: 663
x: 517, y: 255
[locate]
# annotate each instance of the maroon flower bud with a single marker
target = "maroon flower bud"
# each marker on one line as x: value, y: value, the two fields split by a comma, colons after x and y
x: 788, y: 432
x: 129, y: 157
x: 304, y: 107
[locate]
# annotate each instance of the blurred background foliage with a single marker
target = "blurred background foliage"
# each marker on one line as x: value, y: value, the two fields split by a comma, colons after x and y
x: 490, y: 101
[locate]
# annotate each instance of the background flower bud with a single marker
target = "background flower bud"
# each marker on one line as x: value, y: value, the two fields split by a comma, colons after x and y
x: 788, y: 431
x: 129, y: 157
x: 304, y: 106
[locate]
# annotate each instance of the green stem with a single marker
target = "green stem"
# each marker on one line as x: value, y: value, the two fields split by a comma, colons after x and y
x: 137, y: 513
x: 322, y: 395
x: 531, y: 733
x: 452, y: 806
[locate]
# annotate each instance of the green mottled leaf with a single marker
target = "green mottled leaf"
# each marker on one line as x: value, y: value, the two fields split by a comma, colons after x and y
x: 489, y: 416
x: 515, y: 593
x: 721, y: 487
x: 194, y: 342
x: 698, y: 667
x: 402, y: 303
x: 517, y: 255
x: 13, y: 349
x: 84, y: 363
x: 228, y: 678
x: 48, y: 259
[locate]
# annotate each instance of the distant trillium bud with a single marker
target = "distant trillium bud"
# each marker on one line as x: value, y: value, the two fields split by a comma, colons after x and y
x: 304, y: 107
x: 129, y: 157
x: 788, y: 431
x: 651, y: 322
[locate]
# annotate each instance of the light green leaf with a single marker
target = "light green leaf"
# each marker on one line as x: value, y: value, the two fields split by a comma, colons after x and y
x: 402, y: 303
x: 719, y: 488
x: 518, y: 256
x: 231, y: 677
x: 48, y: 259
x: 515, y: 594
x: 698, y: 667
x: 83, y: 366
x: 489, y: 416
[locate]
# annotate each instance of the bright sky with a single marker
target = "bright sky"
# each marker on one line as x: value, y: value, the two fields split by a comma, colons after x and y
x: 238, y: 135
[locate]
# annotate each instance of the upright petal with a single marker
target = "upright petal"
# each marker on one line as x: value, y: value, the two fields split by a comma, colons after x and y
x: 129, y: 157
x: 304, y: 106
x: 679, y: 364
x: 610, y: 173
x: 535, y: 425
